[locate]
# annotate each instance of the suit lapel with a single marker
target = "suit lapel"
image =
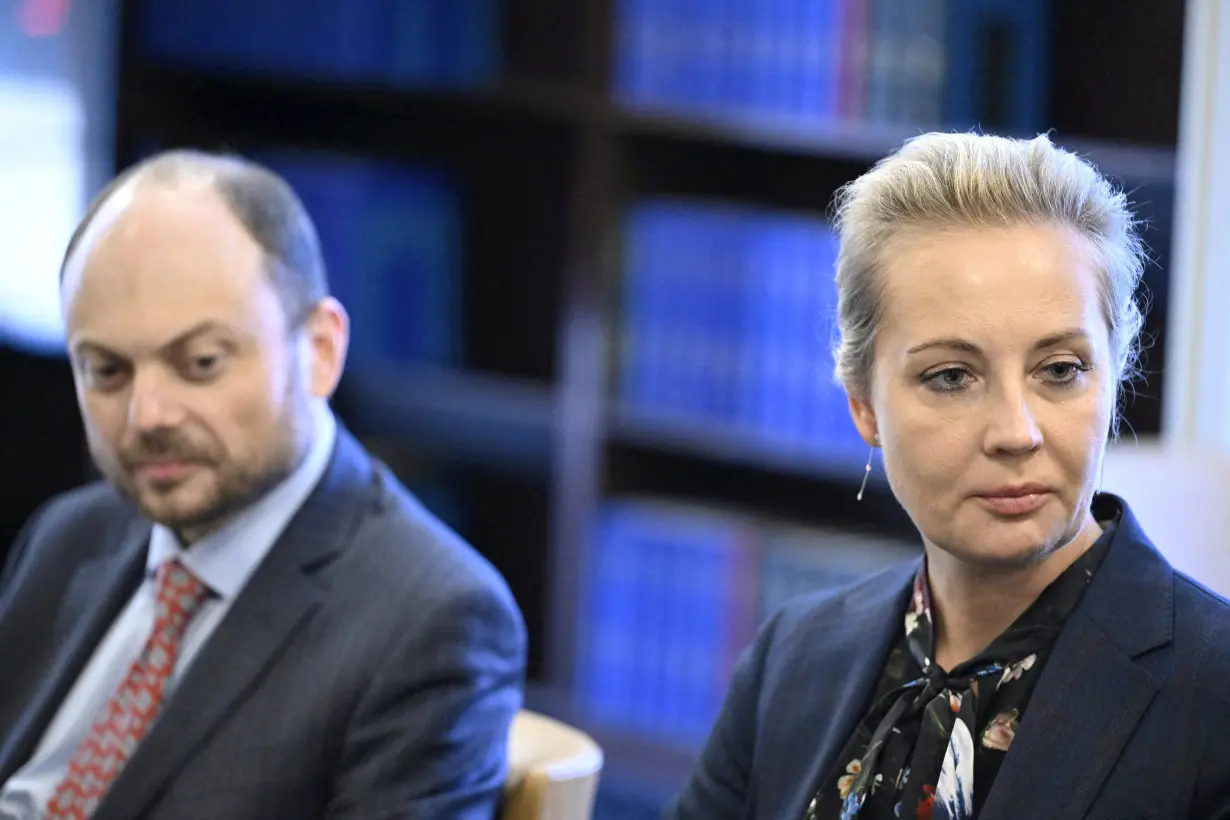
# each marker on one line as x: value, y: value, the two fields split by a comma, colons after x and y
x: 840, y: 677
x: 1087, y: 705
x: 93, y: 599
x: 275, y: 604
x: 1092, y: 692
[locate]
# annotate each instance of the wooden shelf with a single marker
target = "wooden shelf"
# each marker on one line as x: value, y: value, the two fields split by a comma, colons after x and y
x: 254, y: 101
x: 689, y: 461
x: 455, y: 416
x: 857, y: 142
x: 528, y: 101
x: 201, y: 105
x: 718, y: 442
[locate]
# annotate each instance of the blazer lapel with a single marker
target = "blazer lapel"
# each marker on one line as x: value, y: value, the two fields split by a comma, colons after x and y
x: 274, y: 605
x: 93, y: 599
x: 842, y: 671
x: 1092, y: 692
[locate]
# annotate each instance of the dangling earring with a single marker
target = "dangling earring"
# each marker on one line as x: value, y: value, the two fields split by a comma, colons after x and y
x: 867, y: 470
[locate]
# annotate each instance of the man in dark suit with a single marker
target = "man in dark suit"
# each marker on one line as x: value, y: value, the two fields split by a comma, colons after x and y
x: 251, y: 618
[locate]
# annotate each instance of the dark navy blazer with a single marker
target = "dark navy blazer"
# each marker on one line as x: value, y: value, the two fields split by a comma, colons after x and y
x: 1131, y: 718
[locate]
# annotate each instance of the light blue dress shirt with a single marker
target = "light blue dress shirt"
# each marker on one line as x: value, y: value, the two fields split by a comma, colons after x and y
x: 223, y: 561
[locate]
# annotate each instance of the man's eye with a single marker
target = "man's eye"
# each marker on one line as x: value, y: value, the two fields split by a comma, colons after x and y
x: 106, y: 371
x: 204, y: 367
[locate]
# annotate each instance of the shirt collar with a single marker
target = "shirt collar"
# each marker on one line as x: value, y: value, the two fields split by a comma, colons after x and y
x: 224, y: 559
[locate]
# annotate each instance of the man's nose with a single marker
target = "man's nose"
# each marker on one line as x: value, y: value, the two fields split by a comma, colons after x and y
x: 153, y: 404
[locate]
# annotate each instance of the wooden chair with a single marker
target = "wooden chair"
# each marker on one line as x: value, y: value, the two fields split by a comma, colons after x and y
x: 553, y: 770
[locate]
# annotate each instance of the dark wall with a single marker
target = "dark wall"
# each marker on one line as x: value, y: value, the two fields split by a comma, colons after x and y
x: 1116, y: 69
x: 42, y: 450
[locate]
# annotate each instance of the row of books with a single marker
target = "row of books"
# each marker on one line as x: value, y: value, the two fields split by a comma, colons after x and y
x: 393, y: 42
x: 926, y: 62
x: 672, y: 594
x: 728, y: 318
x: 921, y: 62
x: 392, y: 235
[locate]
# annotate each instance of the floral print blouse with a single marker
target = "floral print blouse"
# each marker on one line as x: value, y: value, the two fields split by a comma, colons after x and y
x: 934, y: 740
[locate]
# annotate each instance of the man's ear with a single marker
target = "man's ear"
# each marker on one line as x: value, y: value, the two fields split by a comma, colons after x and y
x: 864, y: 417
x: 328, y: 337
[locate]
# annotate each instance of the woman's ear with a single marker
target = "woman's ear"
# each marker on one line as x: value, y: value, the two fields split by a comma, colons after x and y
x: 864, y: 417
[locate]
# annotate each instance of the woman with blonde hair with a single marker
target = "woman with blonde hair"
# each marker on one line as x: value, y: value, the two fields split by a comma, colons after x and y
x: 1042, y: 660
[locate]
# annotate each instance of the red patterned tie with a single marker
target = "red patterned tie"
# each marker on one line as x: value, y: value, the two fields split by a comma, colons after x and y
x: 125, y: 718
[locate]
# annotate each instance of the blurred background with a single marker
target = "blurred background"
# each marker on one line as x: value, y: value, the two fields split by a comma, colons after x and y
x: 585, y: 250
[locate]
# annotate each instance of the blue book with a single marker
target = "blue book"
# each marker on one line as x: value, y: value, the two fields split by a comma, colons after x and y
x: 786, y: 40
x: 709, y: 38
x: 392, y: 239
x: 414, y: 51
x: 399, y: 42
x: 655, y: 30
x: 738, y: 78
x: 634, y: 310
x: 753, y: 323
x: 475, y: 27
x: 730, y: 370
x: 683, y: 45
x: 712, y: 307
x: 827, y: 413
x: 706, y: 636
x: 773, y: 267
x: 824, y: 23
x: 413, y: 244
x: 632, y: 73
x: 885, y: 60
x: 604, y: 603
x: 762, y: 56
x: 728, y: 319
x: 998, y: 55
x: 329, y: 198
x: 685, y: 276
x: 650, y: 327
x: 803, y: 313
x: 646, y: 595
x: 679, y: 606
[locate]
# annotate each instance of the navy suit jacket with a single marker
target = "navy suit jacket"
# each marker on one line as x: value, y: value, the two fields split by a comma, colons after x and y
x: 1130, y: 719
x: 370, y: 668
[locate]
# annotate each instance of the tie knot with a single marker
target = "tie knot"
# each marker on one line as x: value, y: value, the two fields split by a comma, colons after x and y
x: 180, y: 594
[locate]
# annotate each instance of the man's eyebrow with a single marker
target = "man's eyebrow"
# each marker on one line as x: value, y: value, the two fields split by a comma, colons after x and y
x: 200, y: 329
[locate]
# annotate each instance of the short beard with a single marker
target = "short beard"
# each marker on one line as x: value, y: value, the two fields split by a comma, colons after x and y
x: 238, y: 485
x: 238, y: 488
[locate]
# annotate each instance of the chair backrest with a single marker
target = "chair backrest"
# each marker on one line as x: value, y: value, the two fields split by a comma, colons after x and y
x: 1181, y: 496
x: 553, y: 770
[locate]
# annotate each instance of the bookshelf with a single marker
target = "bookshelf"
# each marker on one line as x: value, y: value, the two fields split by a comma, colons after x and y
x: 524, y: 435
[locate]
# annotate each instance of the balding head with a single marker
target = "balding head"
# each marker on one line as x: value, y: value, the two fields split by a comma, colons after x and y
x: 202, y: 341
x: 261, y: 201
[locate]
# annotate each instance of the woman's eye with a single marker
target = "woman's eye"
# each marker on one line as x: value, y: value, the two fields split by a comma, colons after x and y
x: 948, y: 380
x: 1063, y: 373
